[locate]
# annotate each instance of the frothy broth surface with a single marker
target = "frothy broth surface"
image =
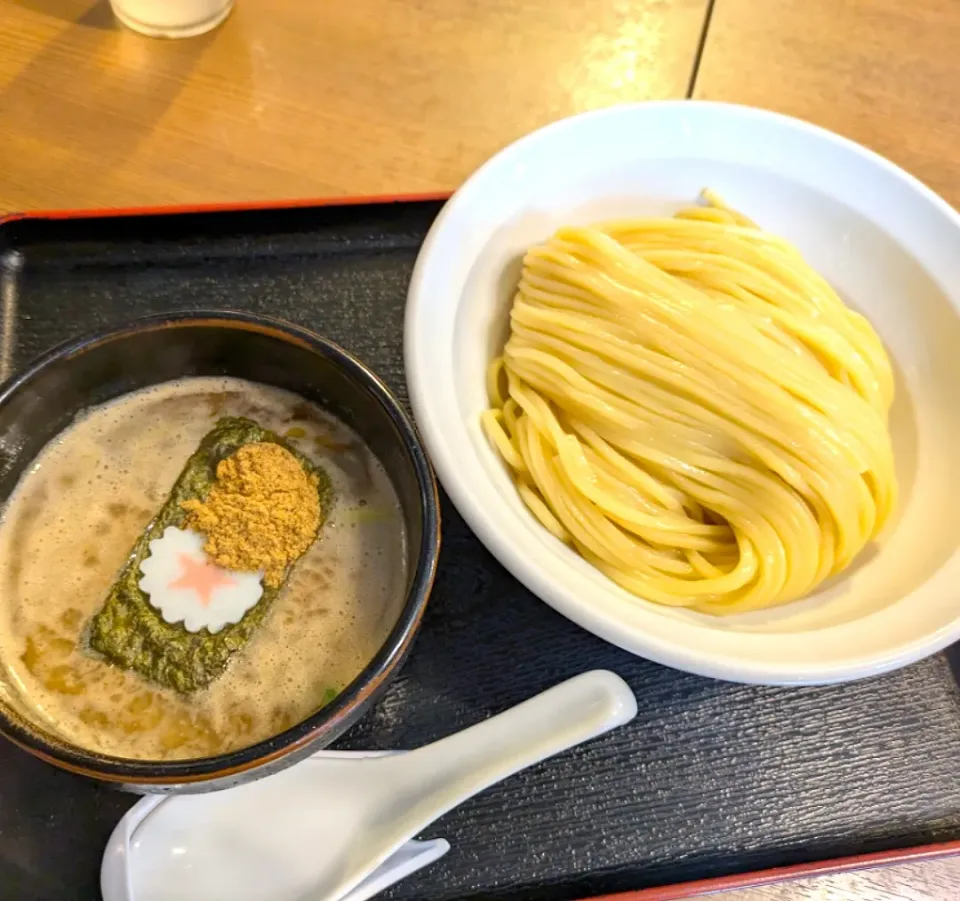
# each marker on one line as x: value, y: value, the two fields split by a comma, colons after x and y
x: 69, y: 527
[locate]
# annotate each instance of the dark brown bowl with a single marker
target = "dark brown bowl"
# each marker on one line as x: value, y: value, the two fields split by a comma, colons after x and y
x: 40, y: 403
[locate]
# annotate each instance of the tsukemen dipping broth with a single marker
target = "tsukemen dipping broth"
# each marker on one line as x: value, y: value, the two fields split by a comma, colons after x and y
x: 195, y: 567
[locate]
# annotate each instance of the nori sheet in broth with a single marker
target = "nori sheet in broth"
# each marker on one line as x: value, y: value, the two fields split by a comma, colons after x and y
x: 129, y: 631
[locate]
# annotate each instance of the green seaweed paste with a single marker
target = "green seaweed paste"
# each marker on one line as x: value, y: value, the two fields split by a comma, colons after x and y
x: 129, y: 632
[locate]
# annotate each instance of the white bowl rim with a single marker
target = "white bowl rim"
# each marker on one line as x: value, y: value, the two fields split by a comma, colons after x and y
x: 477, y: 515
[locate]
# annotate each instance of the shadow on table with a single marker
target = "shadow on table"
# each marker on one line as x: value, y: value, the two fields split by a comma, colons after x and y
x: 95, y: 92
x: 95, y: 15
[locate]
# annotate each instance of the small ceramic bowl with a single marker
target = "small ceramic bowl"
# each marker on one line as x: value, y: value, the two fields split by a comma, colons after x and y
x: 886, y: 242
x: 40, y: 403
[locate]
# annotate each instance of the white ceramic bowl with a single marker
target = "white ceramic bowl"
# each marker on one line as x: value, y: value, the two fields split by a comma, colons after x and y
x: 887, y: 243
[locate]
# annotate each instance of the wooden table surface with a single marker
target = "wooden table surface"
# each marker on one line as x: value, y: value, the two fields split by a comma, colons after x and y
x: 883, y: 72
x: 295, y: 98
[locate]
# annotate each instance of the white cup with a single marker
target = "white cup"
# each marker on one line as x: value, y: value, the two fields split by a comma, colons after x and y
x: 171, y: 18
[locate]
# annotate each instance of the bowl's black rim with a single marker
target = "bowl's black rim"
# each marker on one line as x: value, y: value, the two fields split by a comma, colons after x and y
x: 341, y: 712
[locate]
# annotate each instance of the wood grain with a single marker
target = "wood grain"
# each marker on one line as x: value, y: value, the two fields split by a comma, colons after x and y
x: 298, y: 98
x: 883, y: 72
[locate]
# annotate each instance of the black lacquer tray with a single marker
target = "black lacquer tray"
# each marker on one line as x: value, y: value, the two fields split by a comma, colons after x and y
x: 711, y: 779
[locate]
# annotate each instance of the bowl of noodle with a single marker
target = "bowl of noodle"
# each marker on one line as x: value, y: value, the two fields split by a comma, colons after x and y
x: 687, y: 370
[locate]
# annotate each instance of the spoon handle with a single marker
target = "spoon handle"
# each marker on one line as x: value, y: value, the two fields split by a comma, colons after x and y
x: 436, y: 778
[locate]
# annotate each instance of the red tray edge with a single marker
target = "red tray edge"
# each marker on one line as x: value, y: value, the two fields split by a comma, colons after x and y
x: 229, y: 207
x: 758, y: 878
x: 678, y: 891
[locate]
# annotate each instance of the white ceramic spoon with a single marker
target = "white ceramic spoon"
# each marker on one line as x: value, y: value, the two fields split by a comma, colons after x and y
x: 317, y: 830
x: 116, y: 878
